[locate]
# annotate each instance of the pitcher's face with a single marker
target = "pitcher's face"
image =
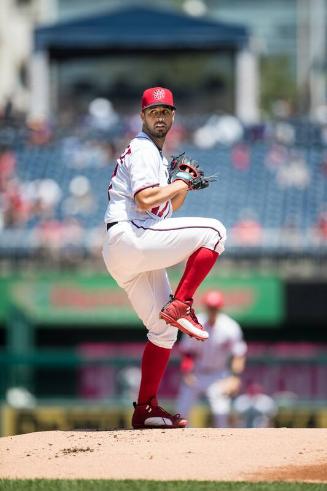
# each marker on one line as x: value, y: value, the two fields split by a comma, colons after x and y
x: 157, y: 120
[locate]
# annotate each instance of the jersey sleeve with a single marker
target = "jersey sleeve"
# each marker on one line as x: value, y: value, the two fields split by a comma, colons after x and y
x: 144, y: 170
x: 239, y: 346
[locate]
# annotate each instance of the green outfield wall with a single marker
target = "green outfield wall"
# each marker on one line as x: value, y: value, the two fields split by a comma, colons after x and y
x: 64, y: 299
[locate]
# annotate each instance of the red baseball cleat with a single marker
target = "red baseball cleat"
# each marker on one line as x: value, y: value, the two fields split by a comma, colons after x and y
x: 153, y: 416
x: 181, y: 315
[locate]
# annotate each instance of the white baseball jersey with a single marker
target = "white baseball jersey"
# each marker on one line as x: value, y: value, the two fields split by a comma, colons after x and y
x: 225, y: 340
x: 141, y: 166
x: 139, y: 248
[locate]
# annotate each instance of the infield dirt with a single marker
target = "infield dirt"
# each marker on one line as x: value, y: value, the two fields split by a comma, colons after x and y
x: 201, y: 454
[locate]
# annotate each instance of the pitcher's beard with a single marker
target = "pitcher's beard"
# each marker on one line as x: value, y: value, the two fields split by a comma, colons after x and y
x: 159, y: 132
x: 156, y: 132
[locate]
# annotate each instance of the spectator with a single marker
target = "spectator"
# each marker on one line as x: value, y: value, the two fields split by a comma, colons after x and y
x: 40, y: 132
x: 225, y: 129
x: 295, y: 173
x: 7, y: 166
x: 241, y: 156
x: 43, y: 195
x: 102, y: 115
x: 16, y: 209
x: 80, y: 200
x: 276, y: 156
x: 285, y: 133
x: 247, y: 231
x: 321, y: 227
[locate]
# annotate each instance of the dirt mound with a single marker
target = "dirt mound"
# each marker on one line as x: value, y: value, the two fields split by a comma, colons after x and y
x: 201, y: 454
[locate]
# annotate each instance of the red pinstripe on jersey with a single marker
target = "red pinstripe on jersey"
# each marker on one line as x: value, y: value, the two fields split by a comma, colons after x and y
x: 120, y: 160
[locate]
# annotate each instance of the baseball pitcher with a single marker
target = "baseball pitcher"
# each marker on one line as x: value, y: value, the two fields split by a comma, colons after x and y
x: 143, y: 240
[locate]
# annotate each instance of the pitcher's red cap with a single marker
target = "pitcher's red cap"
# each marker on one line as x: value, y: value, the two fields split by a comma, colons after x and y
x: 157, y: 96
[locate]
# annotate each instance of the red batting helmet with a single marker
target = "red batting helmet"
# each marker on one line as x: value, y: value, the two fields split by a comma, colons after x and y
x: 157, y: 96
x: 213, y: 299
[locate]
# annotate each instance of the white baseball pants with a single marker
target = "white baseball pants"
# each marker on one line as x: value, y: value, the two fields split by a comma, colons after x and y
x: 136, y: 254
x: 207, y: 384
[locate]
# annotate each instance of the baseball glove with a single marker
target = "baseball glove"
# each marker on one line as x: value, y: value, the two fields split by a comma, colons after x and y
x: 188, y: 170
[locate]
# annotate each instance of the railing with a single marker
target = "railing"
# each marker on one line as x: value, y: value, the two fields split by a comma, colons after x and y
x: 266, y: 369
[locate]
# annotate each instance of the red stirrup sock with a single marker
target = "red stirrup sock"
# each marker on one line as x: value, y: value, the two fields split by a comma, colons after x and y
x: 154, y: 363
x: 197, y: 267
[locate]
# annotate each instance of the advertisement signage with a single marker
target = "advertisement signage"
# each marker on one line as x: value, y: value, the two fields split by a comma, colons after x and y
x: 76, y: 299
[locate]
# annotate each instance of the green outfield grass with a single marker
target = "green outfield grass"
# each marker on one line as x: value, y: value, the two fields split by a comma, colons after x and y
x: 129, y: 485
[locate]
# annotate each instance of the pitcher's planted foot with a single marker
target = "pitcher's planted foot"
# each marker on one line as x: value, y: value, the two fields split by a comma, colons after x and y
x: 150, y: 415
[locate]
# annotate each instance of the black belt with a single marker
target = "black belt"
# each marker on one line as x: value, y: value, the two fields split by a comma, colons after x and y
x: 109, y: 225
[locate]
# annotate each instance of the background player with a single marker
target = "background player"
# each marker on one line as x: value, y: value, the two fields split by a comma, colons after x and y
x: 142, y: 240
x: 213, y: 368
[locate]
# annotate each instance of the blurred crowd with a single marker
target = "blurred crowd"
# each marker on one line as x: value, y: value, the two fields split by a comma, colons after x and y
x: 50, y: 173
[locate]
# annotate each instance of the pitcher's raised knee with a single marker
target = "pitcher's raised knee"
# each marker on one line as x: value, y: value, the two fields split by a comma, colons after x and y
x: 216, y: 235
x: 164, y: 337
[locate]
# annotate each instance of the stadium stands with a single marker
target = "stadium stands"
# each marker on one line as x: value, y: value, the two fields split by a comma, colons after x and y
x: 271, y: 189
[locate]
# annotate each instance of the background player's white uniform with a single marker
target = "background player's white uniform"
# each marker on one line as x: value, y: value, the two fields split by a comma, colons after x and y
x: 211, y: 366
x: 137, y: 250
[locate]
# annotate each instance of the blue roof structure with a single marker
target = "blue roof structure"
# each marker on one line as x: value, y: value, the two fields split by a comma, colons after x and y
x: 138, y: 29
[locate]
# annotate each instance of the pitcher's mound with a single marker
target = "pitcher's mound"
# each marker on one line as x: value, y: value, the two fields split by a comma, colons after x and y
x: 201, y: 454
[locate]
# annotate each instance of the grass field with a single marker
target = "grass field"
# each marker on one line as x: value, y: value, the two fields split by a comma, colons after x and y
x: 129, y: 485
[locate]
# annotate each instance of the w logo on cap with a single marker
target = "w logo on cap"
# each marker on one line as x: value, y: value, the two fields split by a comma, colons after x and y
x: 159, y: 94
